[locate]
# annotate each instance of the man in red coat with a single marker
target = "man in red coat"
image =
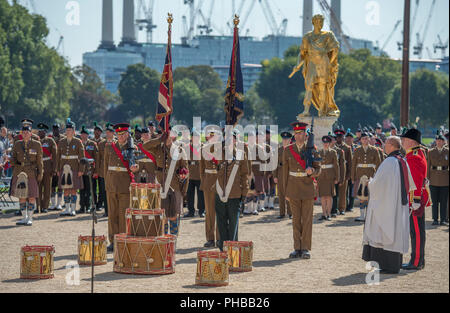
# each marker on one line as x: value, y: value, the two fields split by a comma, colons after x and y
x: 415, y: 157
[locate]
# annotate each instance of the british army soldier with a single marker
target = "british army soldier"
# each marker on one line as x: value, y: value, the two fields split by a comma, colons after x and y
x: 255, y: 178
x: 268, y: 175
x: 438, y: 177
x: 26, y: 122
x: 98, y: 131
x: 194, y: 177
x: 49, y: 158
x: 342, y: 170
x: 328, y: 178
x: 231, y: 189
x: 56, y: 197
x: 343, y: 186
x: 147, y: 164
x: 70, y: 170
x: 118, y: 177
x: 415, y: 157
x: 208, y: 175
x: 90, y: 172
x: 278, y: 176
x: 102, y: 199
x: 26, y: 160
x: 366, y: 160
x: 299, y: 187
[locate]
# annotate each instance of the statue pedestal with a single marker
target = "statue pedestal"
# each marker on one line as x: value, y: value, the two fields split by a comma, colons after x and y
x: 322, y: 126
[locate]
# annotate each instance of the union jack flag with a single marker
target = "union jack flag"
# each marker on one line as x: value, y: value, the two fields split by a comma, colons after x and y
x: 165, y: 95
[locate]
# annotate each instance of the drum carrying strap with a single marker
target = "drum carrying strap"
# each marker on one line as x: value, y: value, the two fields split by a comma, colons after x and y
x: 21, y: 190
x: 147, y: 154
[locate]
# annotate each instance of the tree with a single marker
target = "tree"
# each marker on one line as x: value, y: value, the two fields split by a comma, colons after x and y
x: 186, y: 96
x: 203, y: 75
x: 138, y: 90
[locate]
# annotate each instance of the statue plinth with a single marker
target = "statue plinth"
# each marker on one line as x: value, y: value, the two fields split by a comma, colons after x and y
x: 322, y: 126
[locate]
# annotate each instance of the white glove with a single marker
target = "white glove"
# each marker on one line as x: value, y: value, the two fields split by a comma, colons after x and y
x: 415, y: 206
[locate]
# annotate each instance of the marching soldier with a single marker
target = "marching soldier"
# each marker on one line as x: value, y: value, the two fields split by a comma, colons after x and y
x: 147, y: 164
x: 349, y: 137
x: 118, y: 177
x: 208, y: 175
x: 102, y: 199
x: 26, y: 160
x: 343, y: 186
x: 49, y: 158
x: 438, y: 177
x: 278, y: 176
x: 231, y: 188
x: 328, y: 178
x: 70, y: 170
x: 340, y: 181
x: 366, y: 160
x: 415, y: 156
x: 56, y: 197
x: 90, y: 171
x: 299, y: 187
x: 194, y: 177
x: 172, y: 173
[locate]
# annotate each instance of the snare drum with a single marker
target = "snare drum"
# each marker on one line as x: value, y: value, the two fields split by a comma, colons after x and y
x: 36, y: 262
x: 212, y: 268
x: 145, y: 196
x: 141, y: 255
x: 240, y: 255
x: 145, y: 223
x: 85, y: 250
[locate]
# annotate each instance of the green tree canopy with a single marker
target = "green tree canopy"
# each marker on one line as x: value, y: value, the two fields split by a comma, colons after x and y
x: 186, y: 98
x: 203, y: 75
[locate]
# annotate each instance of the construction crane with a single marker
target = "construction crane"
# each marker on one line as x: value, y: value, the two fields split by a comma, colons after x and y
x: 335, y: 23
x: 441, y: 46
x: 277, y: 30
x: 249, y: 10
x: 145, y: 9
x: 390, y: 35
x: 413, y: 22
x: 208, y: 26
x: 418, y: 49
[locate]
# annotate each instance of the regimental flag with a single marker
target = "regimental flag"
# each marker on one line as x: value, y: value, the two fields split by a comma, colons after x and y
x: 165, y: 95
x: 234, y: 95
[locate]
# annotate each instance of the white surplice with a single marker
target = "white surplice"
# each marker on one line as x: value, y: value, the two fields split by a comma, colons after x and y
x: 387, y: 220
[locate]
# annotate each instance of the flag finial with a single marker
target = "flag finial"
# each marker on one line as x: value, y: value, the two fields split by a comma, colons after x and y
x: 236, y: 20
x: 169, y: 18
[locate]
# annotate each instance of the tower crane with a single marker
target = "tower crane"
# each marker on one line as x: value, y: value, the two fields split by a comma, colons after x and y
x: 146, y: 9
x: 390, y: 35
x: 418, y: 49
x: 441, y: 46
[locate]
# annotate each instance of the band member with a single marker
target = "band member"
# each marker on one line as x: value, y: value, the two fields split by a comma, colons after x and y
x: 349, y: 137
x: 172, y: 172
x: 328, y: 178
x: 366, y: 160
x: 231, y: 188
x: 119, y: 174
x: 342, y: 189
x: 278, y: 176
x: 208, y: 175
x: 70, y: 170
x: 415, y: 157
x: 194, y: 177
x: 26, y: 160
x: 49, y: 158
x: 56, y: 197
x: 342, y: 171
x: 102, y: 199
x: 90, y: 171
x: 438, y: 177
x: 299, y: 186
x: 147, y: 162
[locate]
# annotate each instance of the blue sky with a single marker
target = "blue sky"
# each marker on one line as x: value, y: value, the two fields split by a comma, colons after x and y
x: 360, y: 20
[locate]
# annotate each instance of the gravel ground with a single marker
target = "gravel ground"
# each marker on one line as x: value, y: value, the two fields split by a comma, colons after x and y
x: 335, y: 266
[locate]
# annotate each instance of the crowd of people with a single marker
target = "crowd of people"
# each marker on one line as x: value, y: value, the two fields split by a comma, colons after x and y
x: 55, y: 171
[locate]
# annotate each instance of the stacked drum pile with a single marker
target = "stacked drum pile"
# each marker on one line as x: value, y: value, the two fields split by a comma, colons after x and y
x: 144, y: 248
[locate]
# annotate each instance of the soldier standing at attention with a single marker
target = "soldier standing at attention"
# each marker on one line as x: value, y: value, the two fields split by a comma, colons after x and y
x: 328, y: 178
x: 194, y: 177
x: 278, y: 176
x: 299, y: 187
x: 26, y: 160
x: 101, y: 168
x: 340, y: 181
x: 343, y: 186
x: 70, y: 170
x: 147, y: 165
x: 208, y: 175
x: 49, y: 158
x: 366, y: 160
x: 98, y: 131
x: 118, y: 177
x: 268, y: 175
x: 56, y: 197
x: 438, y: 177
x: 231, y: 188
x: 349, y: 137
x: 255, y: 183
x: 91, y: 154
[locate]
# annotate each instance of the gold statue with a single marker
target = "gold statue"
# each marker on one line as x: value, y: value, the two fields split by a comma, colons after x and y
x: 318, y: 55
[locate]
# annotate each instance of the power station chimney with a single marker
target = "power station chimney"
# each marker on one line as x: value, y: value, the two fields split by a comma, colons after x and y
x: 107, y: 25
x: 307, y: 16
x: 336, y: 11
x: 128, y: 30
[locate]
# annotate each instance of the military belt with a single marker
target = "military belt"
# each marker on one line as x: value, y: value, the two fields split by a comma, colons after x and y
x: 366, y: 165
x: 439, y: 168
x: 327, y: 166
x: 210, y: 171
x: 298, y: 174
x: 145, y: 161
x: 117, y: 169
x: 69, y: 157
